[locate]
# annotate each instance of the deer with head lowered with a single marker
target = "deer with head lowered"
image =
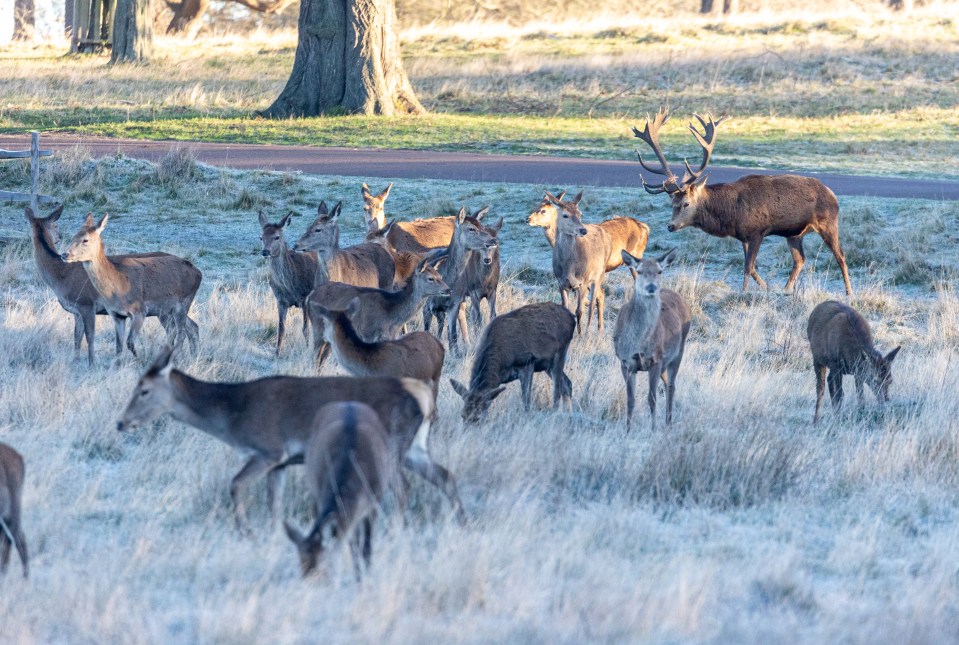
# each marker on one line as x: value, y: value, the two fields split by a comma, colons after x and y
x: 271, y: 420
x: 365, y: 265
x: 134, y: 287
x: 11, y: 493
x: 748, y: 209
x: 841, y: 342
x: 381, y: 314
x: 418, y: 236
x: 70, y: 282
x: 579, y: 259
x: 291, y: 274
x: 651, y: 333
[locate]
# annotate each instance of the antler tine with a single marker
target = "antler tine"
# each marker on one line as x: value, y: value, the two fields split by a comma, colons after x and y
x: 706, y: 140
x: 650, y: 135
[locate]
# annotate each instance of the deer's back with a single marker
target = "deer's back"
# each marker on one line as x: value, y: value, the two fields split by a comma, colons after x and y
x: 785, y: 205
x: 422, y: 235
x: 364, y: 265
x: 838, y: 335
x: 70, y: 282
x: 418, y: 354
x: 160, y: 276
x: 626, y: 234
x: 531, y: 334
x: 11, y: 482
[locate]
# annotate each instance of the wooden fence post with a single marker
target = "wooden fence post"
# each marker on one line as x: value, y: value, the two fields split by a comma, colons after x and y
x: 34, y: 170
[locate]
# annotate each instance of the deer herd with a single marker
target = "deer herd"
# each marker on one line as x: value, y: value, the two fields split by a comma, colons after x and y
x: 354, y: 433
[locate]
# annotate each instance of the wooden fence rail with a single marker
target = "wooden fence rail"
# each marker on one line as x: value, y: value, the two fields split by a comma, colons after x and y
x: 34, y: 154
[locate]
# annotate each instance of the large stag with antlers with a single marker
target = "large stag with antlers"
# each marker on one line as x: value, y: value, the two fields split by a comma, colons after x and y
x: 748, y: 209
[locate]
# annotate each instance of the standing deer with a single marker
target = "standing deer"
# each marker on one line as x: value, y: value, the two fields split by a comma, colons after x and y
x: 291, y: 274
x: 270, y: 420
x: 625, y: 233
x: 11, y: 493
x: 70, y: 282
x: 365, y: 265
x: 405, y: 261
x: 841, y: 342
x: 348, y: 469
x: 533, y: 338
x: 651, y: 334
x: 748, y: 209
x: 485, y: 284
x: 579, y: 259
x: 418, y: 236
x: 133, y: 288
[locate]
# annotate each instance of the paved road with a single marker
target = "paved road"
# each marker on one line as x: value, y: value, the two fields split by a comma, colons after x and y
x: 423, y: 164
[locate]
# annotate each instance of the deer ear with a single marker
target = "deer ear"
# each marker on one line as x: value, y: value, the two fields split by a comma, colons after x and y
x: 556, y: 201
x: 295, y: 536
x: 163, y: 364
x: 388, y: 226
x: 286, y: 219
x: 353, y: 308
x: 561, y: 195
x: 263, y: 220
x: 102, y: 224
x: 386, y: 193
x: 700, y: 181
x: 629, y: 259
x: 891, y: 356
x: 461, y: 216
x: 366, y: 191
x: 578, y: 198
x: 88, y: 222
x: 492, y: 394
x: 28, y: 212
x: 459, y: 388
x: 481, y: 213
x: 495, y: 228
x: 322, y: 209
x: 55, y: 215
x: 667, y: 259
x: 336, y: 210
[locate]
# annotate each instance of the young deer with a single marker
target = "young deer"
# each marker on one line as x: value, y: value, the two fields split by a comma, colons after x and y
x: 11, y: 493
x: 364, y: 265
x: 485, y: 281
x: 291, y: 274
x: 579, y: 259
x: 133, y: 288
x: 418, y: 236
x: 70, y: 282
x: 405, y: 261
x: 625, y: 233
x: 416, y: 355
x: 841, y: 342
x: 749, y: 209
x: 651, y: 334
x: 533, y: 338
x: 381, y: 314
x: 271, y: 420
x: 348, y: 469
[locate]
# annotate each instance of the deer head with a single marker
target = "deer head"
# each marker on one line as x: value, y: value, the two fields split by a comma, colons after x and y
x: 475, y: 404
x: 87, y: 243
x: 569, y: 219
x: 152, y: 396
x: 271, y: 235
x: 374, y: 211
x: 648, y: 272
x: 323, y: 235
x: 308, y: 547
x: 545, y: 213
x: 470, y: 235
x: 877, y: 371
x: 46, y: 225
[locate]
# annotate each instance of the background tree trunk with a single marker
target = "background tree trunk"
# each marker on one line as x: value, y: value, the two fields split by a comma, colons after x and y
x: 705, y: 6
x: 23, y: 20
x: 132, y: 31
x: 68, y: 18
x: 904, y: 6
x: 347, y: 61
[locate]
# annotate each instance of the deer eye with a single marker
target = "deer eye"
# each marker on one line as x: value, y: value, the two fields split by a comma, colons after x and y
x: 144, y: 392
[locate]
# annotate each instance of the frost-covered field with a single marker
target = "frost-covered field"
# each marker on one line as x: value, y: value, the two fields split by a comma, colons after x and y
x: 742, y: 523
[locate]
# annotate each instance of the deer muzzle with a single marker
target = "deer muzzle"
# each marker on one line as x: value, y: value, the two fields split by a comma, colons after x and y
x: 265, y: 253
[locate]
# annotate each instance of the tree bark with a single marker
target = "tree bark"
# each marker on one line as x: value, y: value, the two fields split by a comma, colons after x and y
x: 68, y: 18
x: 23, y: 19
x: 905, y: 6
x: 347, y: 61
x: 132, y: 31
x: 705, y: 6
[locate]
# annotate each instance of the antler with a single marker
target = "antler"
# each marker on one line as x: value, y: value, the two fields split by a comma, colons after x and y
x: 650, y: 134
x: 706, y: 140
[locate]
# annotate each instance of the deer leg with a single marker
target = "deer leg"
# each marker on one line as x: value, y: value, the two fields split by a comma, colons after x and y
x: 752, y: 251
x: 77, y: 331
x: 21, y: 544
x: 461, y: 315
x: 306, y: 323
x: 655, y: 373
x: 600, y: 303
x: 491, y: 301
x: 835, y: 388
x: 120, y: 328
x: 420, y: 462
x: 669, y: 377
x: 830, y: 237
x: 281, y: 325
x: 580, y: 305
x: 4, y: 550
x: 192, y: 333
x: 564, y: 295
x: 799, y: 259
x: 629, y: 376
x: 562, y: 386
x: 275, y: 481
x: 476, y: 315
x: 526, y: 385
x: 859, y: 393
x: 368, y: 537
x: 820, y: 371
x: 256, y: 466
x: 136, y: 322
x: 89, y: 320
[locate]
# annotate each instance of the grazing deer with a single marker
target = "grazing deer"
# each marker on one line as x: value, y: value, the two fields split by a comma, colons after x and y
x: 348, y: 469
x: 70, y: 283
x: 651, y: 333
x: 748, y: 209
x: 364, y: 265
x: 133, y: 288
x: 416, y: 355
x: 579, y: 259
x: 625, y: 233
x: 381, y: 314
x: 291, y: 274
x: 405, y: 261
x: 11, y: 493
x: 533, y: 338
x: 471, y: 248
x: 841, y: 342
x: 418, y: 236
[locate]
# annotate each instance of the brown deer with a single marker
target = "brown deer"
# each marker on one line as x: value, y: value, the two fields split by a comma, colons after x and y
x: 841, y: 342
x: 349, y: 467
x: 271, y: 420
x: 291, y: 274
x: 485, y: 283
x: 416, y: 355
x: 11, y: 493
x: 364, y: 265
x: 136, y: 287
x: 381, y: 314
x: 418, y: 236
x: 70, y: 282
x: 579, y: 259
x: 748, y: 209
x: 651, y: 333
x: 533, y: 338
x: 625, y: 233
x: 405, y: 261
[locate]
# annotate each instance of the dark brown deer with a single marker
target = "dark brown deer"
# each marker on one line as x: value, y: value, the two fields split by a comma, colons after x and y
x: 349, y: 467
x: 11, y: 494
x: 841, y: 342
x: 291, y: 274
x: 418, y: 236
x: 270, y: 420
x: 533, y: 338
x: 651, y: 333
x: 134, y: 288
x: 748, y: 209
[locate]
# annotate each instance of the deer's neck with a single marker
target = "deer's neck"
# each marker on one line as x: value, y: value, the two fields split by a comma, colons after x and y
x: 110, y: 283
x: 206, y: 406
x: 284, y: 273
x: 550, y: 232
x: 645, y: 317
x: 322, y: 270
x: 51, y: 266
x: 351, y: 351
x: 406, y: 301
x: 712, y: 215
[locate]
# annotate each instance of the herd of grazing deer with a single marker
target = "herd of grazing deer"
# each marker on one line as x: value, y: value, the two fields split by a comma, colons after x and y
x: 354, y: 433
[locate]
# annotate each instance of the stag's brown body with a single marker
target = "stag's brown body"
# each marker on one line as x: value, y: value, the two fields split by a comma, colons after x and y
x: 292, y: 275
x: 515, y: 345
x: 418, y: 236
x: 841, y: 343
x: 11, y: 493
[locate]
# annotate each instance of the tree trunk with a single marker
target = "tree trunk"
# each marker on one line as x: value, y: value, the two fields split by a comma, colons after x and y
x: 905, y: 6
x: 132, y: 31
x: 187, y: 16
x: 68, y: 18
x: 730, y: 7
x: 23, y: 20
x: 347, y: 61
x: 705, y: 6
